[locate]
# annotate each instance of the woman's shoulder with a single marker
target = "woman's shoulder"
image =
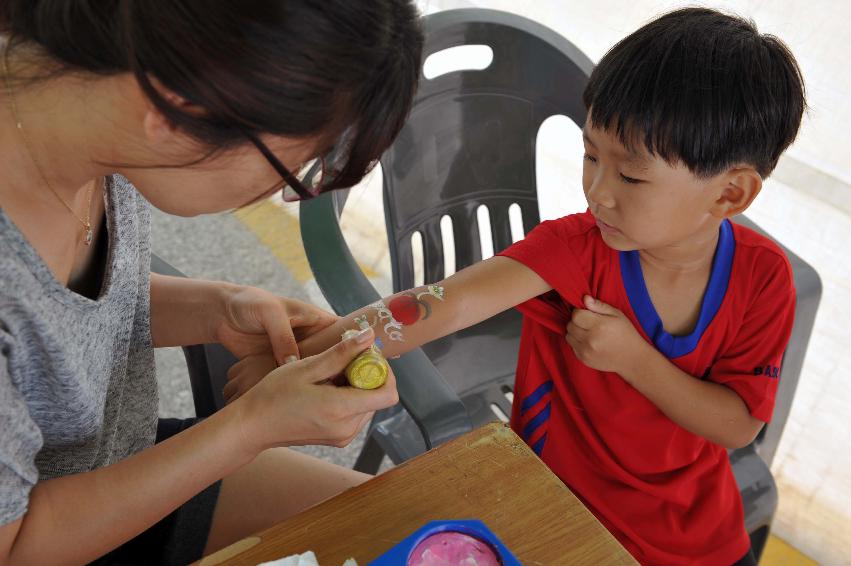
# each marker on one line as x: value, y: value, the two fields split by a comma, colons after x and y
x: 14, y: 261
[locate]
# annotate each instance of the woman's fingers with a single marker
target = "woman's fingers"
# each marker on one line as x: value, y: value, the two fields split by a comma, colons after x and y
x: 292, y: 321
x: 334, y: 360
x: 310, y: 317
x: 279, y: 327
x: 370, y: 400
x: 246, y: 373
x: 294, y: 405
x: 347, y: 409
x: 299, y: 321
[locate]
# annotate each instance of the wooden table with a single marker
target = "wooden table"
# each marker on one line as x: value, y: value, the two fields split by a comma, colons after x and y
x: 488, y: 474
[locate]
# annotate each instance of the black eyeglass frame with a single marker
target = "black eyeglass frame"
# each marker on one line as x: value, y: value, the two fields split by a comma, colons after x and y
x: 291, y: 180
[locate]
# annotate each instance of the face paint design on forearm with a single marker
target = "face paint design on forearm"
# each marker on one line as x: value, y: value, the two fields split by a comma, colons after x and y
x: 409, y: 307
x: 392, y: 327
x: 363, y: 324
x: 404, y: 310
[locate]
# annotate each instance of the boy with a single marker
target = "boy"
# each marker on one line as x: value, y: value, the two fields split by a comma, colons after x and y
x: 654, y: 328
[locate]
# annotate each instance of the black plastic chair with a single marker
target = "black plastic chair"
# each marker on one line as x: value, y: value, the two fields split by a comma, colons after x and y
x: 470, y: 141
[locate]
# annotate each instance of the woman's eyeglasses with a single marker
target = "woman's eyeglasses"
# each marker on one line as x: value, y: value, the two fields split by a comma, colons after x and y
x: 305, y: 183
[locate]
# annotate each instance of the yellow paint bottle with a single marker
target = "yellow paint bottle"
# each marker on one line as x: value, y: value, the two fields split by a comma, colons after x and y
x: 368, y: 370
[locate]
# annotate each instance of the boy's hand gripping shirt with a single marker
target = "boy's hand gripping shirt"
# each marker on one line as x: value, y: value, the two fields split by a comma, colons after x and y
x: 668, y: 495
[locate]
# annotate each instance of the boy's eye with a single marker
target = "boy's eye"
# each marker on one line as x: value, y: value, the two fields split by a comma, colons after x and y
x: 630, y: 180
x: 591, y: 159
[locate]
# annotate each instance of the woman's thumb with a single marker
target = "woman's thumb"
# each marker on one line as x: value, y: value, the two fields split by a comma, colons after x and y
x: 335, y: 359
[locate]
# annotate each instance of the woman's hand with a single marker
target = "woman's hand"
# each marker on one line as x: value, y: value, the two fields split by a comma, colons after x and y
x: 246, y: 320
x: 295, y: 405
x: 246, y: 373
x: 254, y: 322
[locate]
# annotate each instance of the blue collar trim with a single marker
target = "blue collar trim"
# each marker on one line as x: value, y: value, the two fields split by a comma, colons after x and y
x: 642, y: 305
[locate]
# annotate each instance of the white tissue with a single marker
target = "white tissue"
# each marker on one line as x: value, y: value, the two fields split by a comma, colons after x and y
x: 306, y: 559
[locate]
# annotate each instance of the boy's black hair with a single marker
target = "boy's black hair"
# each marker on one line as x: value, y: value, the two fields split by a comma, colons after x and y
x: 700, y: 87
x: 296, y: 68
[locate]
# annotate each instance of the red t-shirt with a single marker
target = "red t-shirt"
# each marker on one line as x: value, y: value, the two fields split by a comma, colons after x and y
x: 669, y: 496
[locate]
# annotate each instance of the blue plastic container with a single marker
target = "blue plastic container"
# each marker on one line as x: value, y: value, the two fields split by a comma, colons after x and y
x: 401, y: 553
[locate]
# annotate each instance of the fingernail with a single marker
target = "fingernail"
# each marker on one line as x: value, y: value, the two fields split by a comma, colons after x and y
x: 290, y: 359
x: 364, y: 336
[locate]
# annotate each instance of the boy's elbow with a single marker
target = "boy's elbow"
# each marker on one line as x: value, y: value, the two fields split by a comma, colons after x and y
x: 736, y: 443
x: 744, y: 435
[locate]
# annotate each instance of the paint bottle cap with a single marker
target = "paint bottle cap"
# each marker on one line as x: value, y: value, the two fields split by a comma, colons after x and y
x: 368, y: 370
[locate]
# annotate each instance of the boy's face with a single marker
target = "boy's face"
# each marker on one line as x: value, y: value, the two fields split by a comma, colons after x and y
x: 640, y: 201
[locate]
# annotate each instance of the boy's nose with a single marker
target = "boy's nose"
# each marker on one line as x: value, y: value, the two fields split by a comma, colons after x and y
x: 599, y: 194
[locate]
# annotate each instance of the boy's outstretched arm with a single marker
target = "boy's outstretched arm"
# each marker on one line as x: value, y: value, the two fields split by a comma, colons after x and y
x: 409, y: 319
x: 605, y: 339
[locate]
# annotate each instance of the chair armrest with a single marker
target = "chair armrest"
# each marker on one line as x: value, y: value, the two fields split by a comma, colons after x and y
x: 434, y: 406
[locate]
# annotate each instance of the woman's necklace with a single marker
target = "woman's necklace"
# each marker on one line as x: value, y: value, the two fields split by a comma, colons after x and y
x: 87, y: 223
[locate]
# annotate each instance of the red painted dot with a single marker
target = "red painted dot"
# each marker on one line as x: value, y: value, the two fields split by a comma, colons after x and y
x: 405, y: 309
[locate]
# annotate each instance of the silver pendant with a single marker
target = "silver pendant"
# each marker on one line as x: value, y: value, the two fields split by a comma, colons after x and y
x: 88, y: 237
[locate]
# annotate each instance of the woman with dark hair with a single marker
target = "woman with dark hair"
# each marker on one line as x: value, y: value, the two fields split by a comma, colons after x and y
x: 193, y: 107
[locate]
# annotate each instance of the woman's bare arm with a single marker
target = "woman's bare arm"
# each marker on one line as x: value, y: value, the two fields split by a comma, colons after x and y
x: 76, y: 518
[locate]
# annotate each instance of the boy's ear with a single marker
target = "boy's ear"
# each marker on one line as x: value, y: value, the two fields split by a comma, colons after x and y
x: 740, y: 187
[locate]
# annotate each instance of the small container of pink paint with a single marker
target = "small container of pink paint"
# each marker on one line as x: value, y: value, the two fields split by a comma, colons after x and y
x: 449, y: 543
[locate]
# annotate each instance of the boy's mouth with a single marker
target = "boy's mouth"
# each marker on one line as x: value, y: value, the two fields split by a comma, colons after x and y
x: 605, y: 228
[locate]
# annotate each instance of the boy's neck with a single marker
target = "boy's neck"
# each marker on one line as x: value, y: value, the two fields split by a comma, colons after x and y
x: 693, y: 254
